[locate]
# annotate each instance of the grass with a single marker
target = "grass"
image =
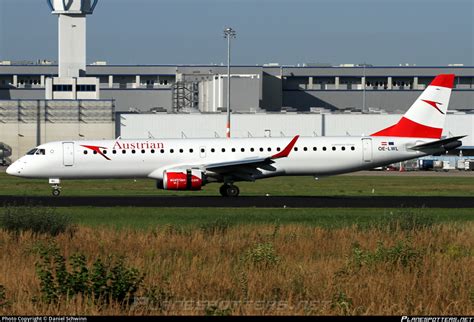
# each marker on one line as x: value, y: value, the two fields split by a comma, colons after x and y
x: 257, y: 269
x: 244, y: 261
x: 142, y: 218
x: 282, y: 186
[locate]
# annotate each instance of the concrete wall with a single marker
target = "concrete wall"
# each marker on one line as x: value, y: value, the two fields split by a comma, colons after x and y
x: 141, y: 99
x: 260, y: 125
x: 390, y: 101
x: 26, y: 124
x: 213, y: 125
x: 22, y: 136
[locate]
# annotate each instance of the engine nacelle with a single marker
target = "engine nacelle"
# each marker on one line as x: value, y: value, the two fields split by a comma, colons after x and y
x: 186, y: 179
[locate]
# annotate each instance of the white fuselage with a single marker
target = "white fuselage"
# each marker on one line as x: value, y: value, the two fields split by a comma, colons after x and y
x: 316, y: 156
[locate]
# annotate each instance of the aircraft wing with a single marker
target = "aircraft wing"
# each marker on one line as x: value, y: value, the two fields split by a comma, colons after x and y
x: 441, y: 145
x: 245, y: 166
x: 244, y: 169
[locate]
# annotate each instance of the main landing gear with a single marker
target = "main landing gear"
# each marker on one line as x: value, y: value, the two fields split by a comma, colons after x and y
x: 55, y: 186
x: 229, y: 190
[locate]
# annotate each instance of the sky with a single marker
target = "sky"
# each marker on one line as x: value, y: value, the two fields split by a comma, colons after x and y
x: 378, y: 32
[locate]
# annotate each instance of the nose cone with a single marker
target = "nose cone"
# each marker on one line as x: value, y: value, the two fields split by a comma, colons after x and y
x: 12, y: 169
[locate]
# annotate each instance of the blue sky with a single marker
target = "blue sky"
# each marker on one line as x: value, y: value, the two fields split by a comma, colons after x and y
x: 380, y: 32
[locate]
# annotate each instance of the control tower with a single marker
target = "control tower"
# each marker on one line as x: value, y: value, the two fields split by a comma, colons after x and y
x: 71, y: 82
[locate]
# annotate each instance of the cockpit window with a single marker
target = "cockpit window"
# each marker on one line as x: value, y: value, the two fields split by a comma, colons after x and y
x: 36, y: 151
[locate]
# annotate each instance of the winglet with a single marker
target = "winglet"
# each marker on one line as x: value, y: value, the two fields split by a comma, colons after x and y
x: 286, y: 151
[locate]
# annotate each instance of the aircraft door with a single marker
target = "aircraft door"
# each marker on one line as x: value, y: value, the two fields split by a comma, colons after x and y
x: 367, y: 150
x: 68, y: 154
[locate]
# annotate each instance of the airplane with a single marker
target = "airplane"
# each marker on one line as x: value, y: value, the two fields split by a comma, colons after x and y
x: 189, y: 164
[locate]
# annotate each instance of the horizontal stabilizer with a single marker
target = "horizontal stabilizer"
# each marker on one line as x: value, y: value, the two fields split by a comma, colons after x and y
x: 444, y: 144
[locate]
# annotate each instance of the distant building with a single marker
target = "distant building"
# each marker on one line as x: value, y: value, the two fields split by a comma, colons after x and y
x: 268, y: 88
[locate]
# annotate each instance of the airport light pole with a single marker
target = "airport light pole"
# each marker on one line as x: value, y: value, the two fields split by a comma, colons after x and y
x: 229, y: 33
x: 363, y: 89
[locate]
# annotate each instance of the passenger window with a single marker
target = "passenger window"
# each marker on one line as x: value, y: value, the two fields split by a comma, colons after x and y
x: 124, y: 151
x: 334, y: 148
x: 296, y: 149
x: 213, y: 150
x: 104, y: 151
x: 261, y: 149
x: 143, y: 151
x: 314, y: 148
x: 324, y: 148
x: 252, y: 149
x: 269, y: 149
x: 95, y: 152
x: 181, y: 151
x: 242, y: 149
x: 114, y: 151
x: 162, y: 151
x: 190, y: 150
x: 171, y: 151
x: 305, y: 149
x: 233, y: 149
x: 85, y: 151
x: 278, y: 148
x: 353, y: 148
x: 223, y: 150
x: 152, y: 151
x: 202, y: 150
x: 343, y: 148
x: 133, y: 151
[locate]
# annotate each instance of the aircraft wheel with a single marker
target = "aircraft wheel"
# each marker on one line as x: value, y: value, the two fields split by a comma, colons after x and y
x: 223, y: 190
x: 232, y: 191
x: 56, y: 192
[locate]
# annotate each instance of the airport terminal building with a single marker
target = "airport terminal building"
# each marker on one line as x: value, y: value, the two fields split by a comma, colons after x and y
x: 255, y: 89
x: 270, y: 100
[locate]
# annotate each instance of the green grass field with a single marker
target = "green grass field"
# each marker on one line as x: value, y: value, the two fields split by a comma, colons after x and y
x: 346, y: 185
x: 136, y: 217
x: 191, y: 218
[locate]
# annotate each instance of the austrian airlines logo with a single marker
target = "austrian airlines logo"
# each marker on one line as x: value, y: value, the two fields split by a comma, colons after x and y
x: 96, y: 149
x: 434, y: 104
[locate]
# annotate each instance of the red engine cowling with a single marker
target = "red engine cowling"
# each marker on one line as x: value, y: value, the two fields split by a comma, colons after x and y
x: 183, y: 180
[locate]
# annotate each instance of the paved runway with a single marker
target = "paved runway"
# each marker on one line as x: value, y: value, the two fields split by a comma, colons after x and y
x: 243, y: 201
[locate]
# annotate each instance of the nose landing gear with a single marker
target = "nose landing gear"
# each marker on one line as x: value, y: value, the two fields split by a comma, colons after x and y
x: 55, y: 186
x: 229, y: 190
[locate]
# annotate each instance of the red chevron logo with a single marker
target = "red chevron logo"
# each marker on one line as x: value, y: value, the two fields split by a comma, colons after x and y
x: 96, y: 149
x: 434, y: 104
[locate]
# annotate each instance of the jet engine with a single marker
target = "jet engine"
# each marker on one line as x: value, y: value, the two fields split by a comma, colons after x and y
x: 186, y: 179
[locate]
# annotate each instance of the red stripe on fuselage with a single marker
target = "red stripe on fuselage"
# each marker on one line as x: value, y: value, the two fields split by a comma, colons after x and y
x: 408, y: 128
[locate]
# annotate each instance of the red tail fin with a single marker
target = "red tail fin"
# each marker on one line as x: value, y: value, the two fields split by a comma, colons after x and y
x: 425, y: 118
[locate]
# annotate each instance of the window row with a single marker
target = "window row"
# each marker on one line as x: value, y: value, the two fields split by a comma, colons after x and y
x: 203, y: 150
x: 79, y: 88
